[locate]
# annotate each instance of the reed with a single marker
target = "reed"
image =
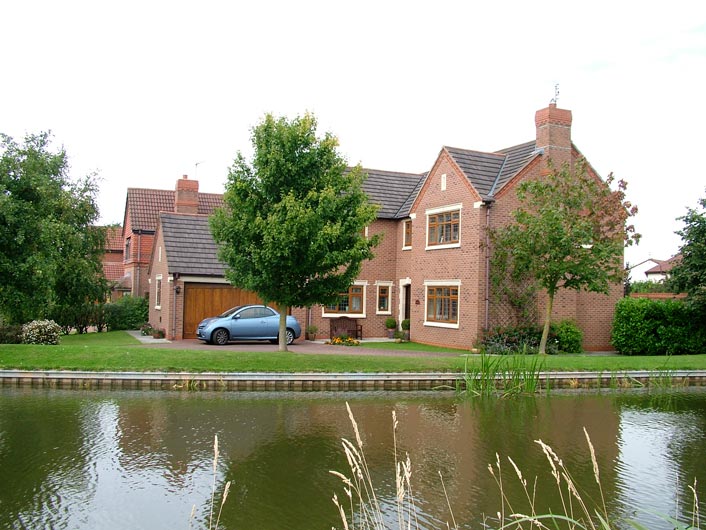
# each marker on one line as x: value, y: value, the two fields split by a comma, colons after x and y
x: 363, y: 510
x: 226, y: 490
x: 503, y: 375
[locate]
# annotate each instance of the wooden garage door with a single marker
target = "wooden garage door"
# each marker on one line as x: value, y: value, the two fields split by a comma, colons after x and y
x: 206, y: 300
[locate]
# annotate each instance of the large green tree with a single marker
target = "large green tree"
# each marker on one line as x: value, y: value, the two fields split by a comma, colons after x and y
x: 46, y: 230
x: 689, y: 275
x: 569, y: 232
x: 292, y: 227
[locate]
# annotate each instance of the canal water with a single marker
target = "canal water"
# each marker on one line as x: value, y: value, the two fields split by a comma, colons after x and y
x: 111, y: 460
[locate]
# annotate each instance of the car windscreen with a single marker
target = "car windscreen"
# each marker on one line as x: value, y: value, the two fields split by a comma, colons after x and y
x: 229, y: 312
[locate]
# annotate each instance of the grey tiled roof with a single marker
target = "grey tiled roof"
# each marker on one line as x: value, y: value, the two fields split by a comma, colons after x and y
x: 189, y: 245
x: 517, y: 157
x: 394, y: 192
x: 489, y: 172
x: 481, y: 169
x: 144, y: 205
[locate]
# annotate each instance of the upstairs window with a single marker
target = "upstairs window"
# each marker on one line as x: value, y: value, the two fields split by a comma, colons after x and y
x: 444, y: 228
x: 408, y: 233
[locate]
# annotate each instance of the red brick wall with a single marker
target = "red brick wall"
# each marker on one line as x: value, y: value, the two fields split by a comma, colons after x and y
x: 464, y: 264
x: 138, y: 260
x: 592, y: 312
x: 381, y: 269
x: 162, y: 316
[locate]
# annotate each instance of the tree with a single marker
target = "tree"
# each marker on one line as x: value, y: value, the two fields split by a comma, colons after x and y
x: 81, y: 286
x: 689, y: 275
x: 569, y: 232
x: 292, y: 226
x: 46, y: 228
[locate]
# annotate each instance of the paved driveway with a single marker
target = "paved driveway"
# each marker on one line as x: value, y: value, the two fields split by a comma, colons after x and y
x: 299, y: 346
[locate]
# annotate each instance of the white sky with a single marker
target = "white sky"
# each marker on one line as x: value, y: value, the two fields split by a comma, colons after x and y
x: 141, y: 91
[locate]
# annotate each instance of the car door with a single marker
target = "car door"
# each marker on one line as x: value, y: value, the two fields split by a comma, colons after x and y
x: 269, y: 323
x: 246, y: 324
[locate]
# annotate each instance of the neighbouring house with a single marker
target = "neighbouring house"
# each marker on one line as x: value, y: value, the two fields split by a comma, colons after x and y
x: 430, y: 268
x: 142, y: 208
x: 113, y: 269
x: 653, y: 270
x: 660, y: 272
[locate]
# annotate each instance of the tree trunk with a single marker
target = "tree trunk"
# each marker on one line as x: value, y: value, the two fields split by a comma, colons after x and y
x: 547, y: 323
x: 283, y: 328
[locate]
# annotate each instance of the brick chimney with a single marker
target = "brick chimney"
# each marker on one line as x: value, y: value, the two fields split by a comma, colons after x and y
x: 186, y: 198
x: 554, y: 133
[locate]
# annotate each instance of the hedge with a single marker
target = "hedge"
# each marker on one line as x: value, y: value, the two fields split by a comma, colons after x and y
x: 656, y: 327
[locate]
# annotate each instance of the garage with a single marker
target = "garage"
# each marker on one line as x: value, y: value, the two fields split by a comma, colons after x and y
x: 207, y: 300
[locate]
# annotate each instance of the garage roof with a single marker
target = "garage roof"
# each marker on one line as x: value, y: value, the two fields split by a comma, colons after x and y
x: 189, y: 245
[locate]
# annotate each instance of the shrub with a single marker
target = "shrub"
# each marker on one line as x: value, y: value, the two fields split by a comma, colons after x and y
x: 569, y: 336
x: 10, y: 333
x: 516, y: 339
x: 128, y: 312
x: 405, y: 324
x: 656, y: 327
x: 41, y: 332
x: 390, y: 323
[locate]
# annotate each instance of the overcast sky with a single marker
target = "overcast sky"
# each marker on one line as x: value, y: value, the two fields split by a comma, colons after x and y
x: 143, y: 91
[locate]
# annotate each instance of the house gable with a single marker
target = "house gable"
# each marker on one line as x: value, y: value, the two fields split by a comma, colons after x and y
x: 444, y: 171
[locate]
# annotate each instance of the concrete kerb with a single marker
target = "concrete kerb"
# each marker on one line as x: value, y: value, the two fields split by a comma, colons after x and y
x: 327, y: 381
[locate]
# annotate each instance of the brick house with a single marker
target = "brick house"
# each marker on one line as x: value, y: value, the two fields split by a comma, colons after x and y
x: 113, y: 269
x: 431, y: 266
x: 142, y: 208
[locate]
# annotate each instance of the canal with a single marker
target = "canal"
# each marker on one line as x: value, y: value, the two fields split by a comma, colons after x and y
x: 73, y: 459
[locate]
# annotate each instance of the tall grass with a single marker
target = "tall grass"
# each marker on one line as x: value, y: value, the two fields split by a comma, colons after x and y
x: 362, y: 509
x: 504, y: 375
x: 226, y: 490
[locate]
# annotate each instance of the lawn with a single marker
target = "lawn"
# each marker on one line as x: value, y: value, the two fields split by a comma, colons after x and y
x: 118, y: 351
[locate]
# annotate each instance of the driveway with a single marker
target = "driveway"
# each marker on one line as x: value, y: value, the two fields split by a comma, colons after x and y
x: 300, y: 346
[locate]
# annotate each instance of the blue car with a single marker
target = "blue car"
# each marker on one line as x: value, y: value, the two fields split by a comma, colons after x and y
x: 246, y: 322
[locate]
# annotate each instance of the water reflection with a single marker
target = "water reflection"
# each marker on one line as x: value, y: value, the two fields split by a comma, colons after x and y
x: 78, y: 460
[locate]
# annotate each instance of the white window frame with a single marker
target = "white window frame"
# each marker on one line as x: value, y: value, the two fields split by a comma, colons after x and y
x: 405, y: 246
x: 158, y: 292
x: 444, y: 209
x: 442, y: 283
x: 389, y: 285
x: 359, y: 283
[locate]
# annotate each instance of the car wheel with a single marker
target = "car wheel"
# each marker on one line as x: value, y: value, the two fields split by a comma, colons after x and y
x: 220, y: 337
x: 289, y: 335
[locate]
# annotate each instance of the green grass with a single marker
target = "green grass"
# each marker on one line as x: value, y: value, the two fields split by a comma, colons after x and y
x: 118, y: 351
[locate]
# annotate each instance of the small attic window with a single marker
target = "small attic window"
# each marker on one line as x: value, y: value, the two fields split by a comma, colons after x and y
x: 443, y: 182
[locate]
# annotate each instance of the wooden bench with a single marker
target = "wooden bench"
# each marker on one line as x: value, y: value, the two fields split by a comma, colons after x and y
x: 345, y: 326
